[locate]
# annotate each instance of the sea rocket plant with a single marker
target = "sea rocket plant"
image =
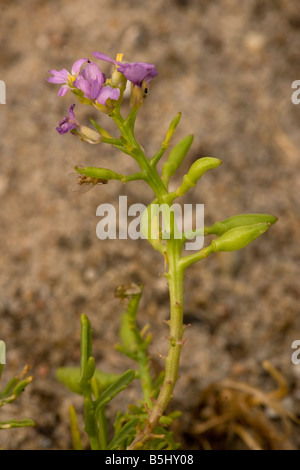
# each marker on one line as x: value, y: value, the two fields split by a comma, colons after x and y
x: 145, y: 425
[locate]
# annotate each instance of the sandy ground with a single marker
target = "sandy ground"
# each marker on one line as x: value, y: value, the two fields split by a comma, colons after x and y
x: 228, y: 67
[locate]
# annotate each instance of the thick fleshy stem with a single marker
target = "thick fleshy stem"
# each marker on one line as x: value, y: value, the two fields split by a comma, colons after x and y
x: 175, y: 281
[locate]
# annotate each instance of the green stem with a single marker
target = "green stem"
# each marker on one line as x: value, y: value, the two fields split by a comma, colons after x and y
x: 94, y: 442
x: 134, y: 149
x: 103, y: 429
x: 145, y: 378
x: 87, y: 371
x: 175, y: 280
x: 91, y: 427
x: 191, y: 259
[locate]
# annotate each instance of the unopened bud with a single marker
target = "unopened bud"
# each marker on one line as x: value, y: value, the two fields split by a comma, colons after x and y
x: 118, y: 80
x: 172, y: 127
x: 196, y: 171
x: 176, y: 157
x: 218, y: 228
x: 89, y: 135
x: 237, y: 238
x: 138, y: 94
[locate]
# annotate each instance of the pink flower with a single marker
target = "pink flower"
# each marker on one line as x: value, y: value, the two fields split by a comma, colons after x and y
x: 63, y: 76
x: 135, y: 72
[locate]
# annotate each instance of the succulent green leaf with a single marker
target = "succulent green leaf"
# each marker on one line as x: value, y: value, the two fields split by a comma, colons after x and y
x: 176, y: 157
x: 115, y: 388
x: 198, y: 168
x: 16, y: 423
x: 154, y: 160
x: 69, y: 376
x: 126, y: 432
x: 88, y: 372
x: 76, y: 439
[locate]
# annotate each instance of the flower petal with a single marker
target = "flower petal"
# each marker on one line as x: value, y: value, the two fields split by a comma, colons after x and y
x: 72, y: 114
x: 83, y: 85
x: 68, y: 123
x: 151, y: 74
x: 135, y: 73
x: 108, y: 92
x: 65, y: 126
x: 77, y: 66
x: 63, y: 90
x: 59, y: 76
x: 93, y: 73
x: 94, y: 89
x: 101, y: 56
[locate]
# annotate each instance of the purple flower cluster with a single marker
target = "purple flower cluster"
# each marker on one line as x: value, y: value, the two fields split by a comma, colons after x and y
x: 92, y: 82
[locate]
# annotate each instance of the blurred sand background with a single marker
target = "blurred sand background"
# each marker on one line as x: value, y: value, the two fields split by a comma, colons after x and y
x: 228, y: 67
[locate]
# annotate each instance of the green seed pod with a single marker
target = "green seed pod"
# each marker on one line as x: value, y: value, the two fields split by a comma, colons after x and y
x: 239, y: 237
x: 196, y: 171
x: 101, y: 173
x: 176, y: 157
x: 240, y: 220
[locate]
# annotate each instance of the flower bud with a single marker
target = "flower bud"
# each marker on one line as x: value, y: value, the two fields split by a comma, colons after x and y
x: 239, y: 237
x: 218, y: 228
x: 118, y: 80
x: 138, y: 94
x: 196, y: 171
x: 101, y: 173
x: 89, y: 135
x: 176, y: 157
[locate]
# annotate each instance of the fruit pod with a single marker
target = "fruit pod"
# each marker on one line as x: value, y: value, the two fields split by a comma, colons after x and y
x: 176, y: 157
x: 196, y: 171
x: 94, y: 172
x: 237, y: 238
x: 218, y: 228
